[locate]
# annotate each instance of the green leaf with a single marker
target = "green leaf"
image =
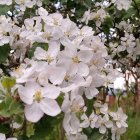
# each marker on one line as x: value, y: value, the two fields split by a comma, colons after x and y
x: 4, y: 9
x: 30, y: 129
x: 10, y: 107
x: 130, y: 12
x: 4, y: 51
x: 4, y: 128
x: 8, y: 82
x: 107, y: 25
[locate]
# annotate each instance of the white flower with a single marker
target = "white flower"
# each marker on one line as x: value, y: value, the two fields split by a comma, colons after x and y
x: 77, y: 60
x: 86, y: 17
x: 89, y: 121
x: 116, y: 132
x: 103, y: 123
x: 127, y: 43
x: 99, y: 16
x: 3, y: 137
x: 122, y: 4
x: 120, y: 118
x: 5, y: 28
x: 49, y: 55
x: 71, y: 123
x: 25, y: 3
x: 73, y: 103
x: 39, y: 100
x: 26, y: 72
x: 5, y: 2
x: 69, y: 29
x: 32, y: 28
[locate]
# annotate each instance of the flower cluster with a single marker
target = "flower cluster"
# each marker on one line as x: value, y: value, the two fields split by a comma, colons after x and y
x: 23, y: 4
x: 58, y: 59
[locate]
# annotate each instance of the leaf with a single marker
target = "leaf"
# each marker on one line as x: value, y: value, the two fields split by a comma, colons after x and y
x: 4, y: 9
x: 8, y: 82
x: 10, y: 107
x: 4, y: 128
x: 30, y: 129
x: 130, y: 12
x: 4, y: 51
x: 107, y: 25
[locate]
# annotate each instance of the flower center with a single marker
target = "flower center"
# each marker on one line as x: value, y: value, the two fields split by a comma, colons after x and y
x: 49, y: 59
x: 75, y: 59
x: 38, y: 96
x: 66, y: 78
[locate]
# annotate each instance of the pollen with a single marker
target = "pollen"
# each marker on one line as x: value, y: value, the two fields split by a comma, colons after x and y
x: 38, y: 96
x: 49, y: 59
x: 75, y: 59
x: 66, y: 78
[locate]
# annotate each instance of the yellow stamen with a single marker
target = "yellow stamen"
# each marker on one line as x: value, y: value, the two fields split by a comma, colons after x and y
x: 75, y: 59
x: 38, y: 96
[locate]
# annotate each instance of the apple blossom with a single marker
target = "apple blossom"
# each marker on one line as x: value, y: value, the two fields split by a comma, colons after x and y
x: 39, y: 100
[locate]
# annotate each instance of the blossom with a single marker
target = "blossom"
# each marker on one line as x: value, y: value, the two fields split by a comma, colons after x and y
x: 122, y: 4
x: 5, y: 28
x: 120, y: 118
x: 89, y: 121
x: 127, y: 43
x: 103, y: 123
x: 99, y: 16
x: 49, y: 55
x: 27, y: 3
x: 5, y: 2
x: 39, y: 100
x: 86, y: 16
x: 3, y: 137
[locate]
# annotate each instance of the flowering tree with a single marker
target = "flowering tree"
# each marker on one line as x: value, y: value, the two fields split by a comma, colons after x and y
x: 56, y: 57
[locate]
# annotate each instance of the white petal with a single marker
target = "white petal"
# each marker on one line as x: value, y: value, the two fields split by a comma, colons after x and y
x: 50, y: 91
x: 75, y: 123
x: 102, y: 129
x: 83, y: 69
x: 12, y: 139
x: 109, y: 124
x: 66, y: 103
x: 54, y: 48
x: 85, y: 124
x: 85, y: 56
x: 68, y: 88
x: 2, y: 136
x: 118, y: 124
x: 92, y: 125
x: 40, y: 54
x: 57, y: 75
x: 66, y: 122
x: 33, y: 112
x: 91, y: 92
x: 50, y: 107
x: 42, y: 12
x: 26, y: 94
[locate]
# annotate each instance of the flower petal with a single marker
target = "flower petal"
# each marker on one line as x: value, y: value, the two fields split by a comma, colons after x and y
x: 26, y: 94
x: 50, y: 91
x: 102, y: 129
x: 50, y: 107
x: 33, y: 112
x: 2, y: 136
